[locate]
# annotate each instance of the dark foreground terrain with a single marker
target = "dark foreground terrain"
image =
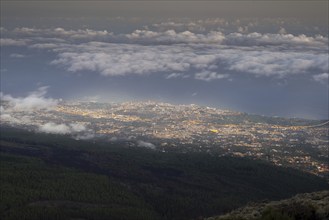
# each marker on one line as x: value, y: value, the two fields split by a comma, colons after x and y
x: 55, y: 177
x: 308, y: 206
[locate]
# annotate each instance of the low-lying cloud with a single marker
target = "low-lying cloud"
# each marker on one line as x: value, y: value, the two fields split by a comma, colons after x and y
x: 36, y: 100
x: 25, y: 111
x: 146, y: 145
x: 54, y: 128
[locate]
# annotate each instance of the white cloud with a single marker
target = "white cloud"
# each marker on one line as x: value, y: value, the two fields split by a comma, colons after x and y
x: 34, y: 101
x: 16, y: 55
x: 7, y: 117
x: 270, y: 63
x: 322, y: 78
x: 182, y: 60
x: 146, y: 144
x: 54, y: 128
x: 25, y: 111
x: 21, y: 110
x: 171, y: 36
x: 210, y: 76
x: 176, y: 75
x: 258, y: 39
x: 62, y: 33
x: 238, y: 39
x: 75, y: 127
x: 182, y: 53
x: 121, y: 59
x: 190, y: 32
x: 194, y: 25
x: 12, y: 42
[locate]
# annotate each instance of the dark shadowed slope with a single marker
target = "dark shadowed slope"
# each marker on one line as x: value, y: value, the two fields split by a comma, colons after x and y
x: 306, y: 206
x: 55, y: 177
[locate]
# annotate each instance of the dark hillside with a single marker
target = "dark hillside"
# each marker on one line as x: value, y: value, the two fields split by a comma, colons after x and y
x: 55, y: 177
x: 308, y: 206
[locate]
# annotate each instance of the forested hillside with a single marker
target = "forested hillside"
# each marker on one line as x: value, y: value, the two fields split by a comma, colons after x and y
x: 308, y: 206
x: 55, y: 177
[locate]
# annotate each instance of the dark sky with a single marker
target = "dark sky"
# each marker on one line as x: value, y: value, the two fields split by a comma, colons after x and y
x: 263, y: 57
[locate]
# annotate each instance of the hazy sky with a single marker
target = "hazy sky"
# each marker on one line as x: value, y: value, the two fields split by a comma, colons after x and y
x: 263, y: 57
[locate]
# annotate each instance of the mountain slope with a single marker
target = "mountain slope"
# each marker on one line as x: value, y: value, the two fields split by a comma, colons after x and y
x: 56, y: 177
x: 306, y: 206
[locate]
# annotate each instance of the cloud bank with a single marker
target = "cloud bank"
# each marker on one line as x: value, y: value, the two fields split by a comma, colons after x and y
x: 111, y: 59
x: 200, y: 55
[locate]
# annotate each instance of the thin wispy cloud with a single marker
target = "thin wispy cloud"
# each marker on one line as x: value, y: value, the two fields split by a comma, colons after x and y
x: 322, y: 78
x: 13, y: 42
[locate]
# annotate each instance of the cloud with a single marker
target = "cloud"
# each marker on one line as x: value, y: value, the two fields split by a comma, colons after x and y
x: 191, y: 32
x: 180, y: 60
x: 171, y: 36
x: 16, y: 55
x: 276, y: 63
x: 54, y: 128
x: 176, y: 75
x: 322, y: 78
x: 63, y: 34
x: 21, y: 110
x: 26, y: 111
x: 46, y: 45
x: 121, y: 59
x: 182, y: 54
x: 34, y: 101
x: 77, y: 127
x: 259, y: 39
x: 85, y: 136
x: 282, y: 31
x: 195, y: 25
x: 210, y: 76
x: 146, y: 144
x: 12, y: 42
x: 243, y: 29
x: 7, y: 117
x: 237, y: 39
